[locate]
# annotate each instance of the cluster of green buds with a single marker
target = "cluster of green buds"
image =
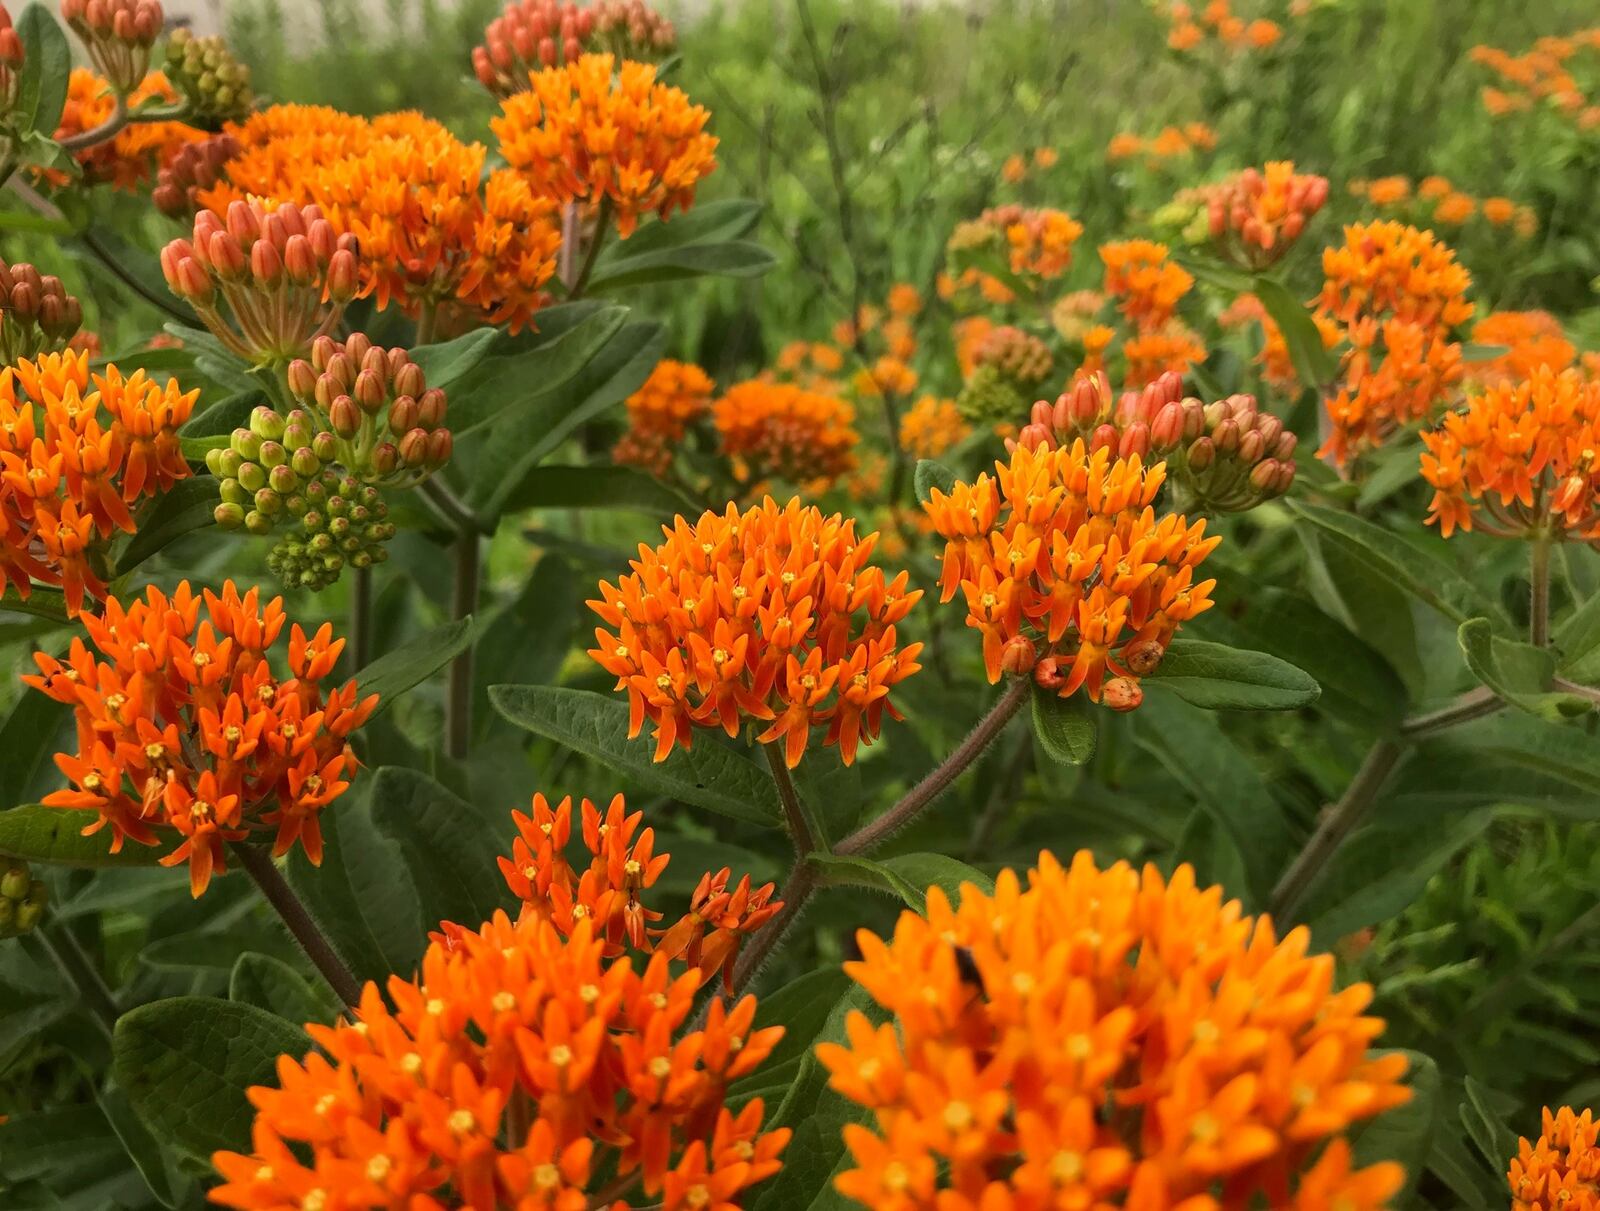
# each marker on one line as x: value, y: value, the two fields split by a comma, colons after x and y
x: 387, y: 423
x: 37, y: 315
x: 264, y: 469
x: 342, y: 522
x: 11, y: 57
x: 118, y: 35
x: 192, y: 169
x: 215, y: 84
x: 534, y: 34
x: 22, y: 899
x: 282, y: 273
x: 1008, y: 367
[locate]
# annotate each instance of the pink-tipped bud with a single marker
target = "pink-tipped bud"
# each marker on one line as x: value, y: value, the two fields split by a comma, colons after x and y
x: 1105, y: 437
x: 323, y: 348
x: 1035, y: 437
x: 291, y: 218
x: 320, y: 236
x: 1121, y: 694
x: 302, y: 378
x: 1167, y: 431
x: 299, y: 262
x: 414, y: 449
x: 226, y: 257
x: 1135, y: 440
x: 342, y: 276
x: 386, y: 458
x: 274, y: 231
x: 194, y: 282
x: 369, y: 391
x: 242, y: 223
x: 344, y: 417
x: 266, y: 265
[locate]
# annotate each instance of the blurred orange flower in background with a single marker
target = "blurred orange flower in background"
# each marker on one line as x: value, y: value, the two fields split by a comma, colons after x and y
x: 1561, y: 1168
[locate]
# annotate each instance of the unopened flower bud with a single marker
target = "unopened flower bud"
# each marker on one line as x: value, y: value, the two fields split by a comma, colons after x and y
x: 408, y: 379
x: 229, y: 516
x: 1167, y: 431
x: 1018, y: 656
x: 1121, y: 694
x: 1225, y: 436
x: 1285, y: 445
x: 368, y: 391
x: 283, y: 480
x: 14, y: 882
x: 257, y: 522
x: 245, y: 444
x: 342, y: 276
x: 344, y: 416
x: 440, y: 444
x: 252, y: 477
x: 414, y: 448
x: 273, y: 454
x: 266, y: 264
x: 1048, y: 675
x: 304, y: 462
x: 385, y: 458
x: 403, y: 414
x: 266, y: 424
x: 325, y: 446
x: 1143, y: 657
x: 1105, y: 437
x: 1251, y: 447
x: 1201, y: 453
x: 1135, y: 440
x: 431, y: 408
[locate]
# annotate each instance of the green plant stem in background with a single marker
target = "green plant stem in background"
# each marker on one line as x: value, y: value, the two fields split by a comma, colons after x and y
x: 797, y: 889
x: 427, y: 321
x: 258, y: 864
x: 576, y: 287
x: 360, y: 619
x: 463, y: 604
x: 1539, y: 591
x: 939, y: 779
x: 64, y: 950
x: 1339, y: 821
x: 99, y: 134
x: 794, y: 812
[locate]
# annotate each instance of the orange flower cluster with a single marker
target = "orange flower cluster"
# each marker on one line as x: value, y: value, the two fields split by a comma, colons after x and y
x: 1530, y: 339
x: 1395, y: 294
x: 659, y: 414
x: 1277, y: 367
x: 777, y: 429
x: 1173, y: 348
x: 1067, y: 572
x: 608, y: 893
x: 520, y: 1069
x: 931, y: 426
x: 1148, y: 284
x: 772, y: 615
x: 184, y: 729
x: 1543, y: 76
x: 530, y: 34
x: 813, y: 365
x: 584, y: 135
x: 1108, y: 1038
x: 1015, y: 169
x: 1438, y: 201
x: 1171, y: 143
x: 1037, y: 241
x: 1257, y: 214
x: 433, y: 229
x: 130, y: 157
x: 1521, y: 457
x: 75, y: 462
x: 1218, y: 26
x: 1562, y: 1169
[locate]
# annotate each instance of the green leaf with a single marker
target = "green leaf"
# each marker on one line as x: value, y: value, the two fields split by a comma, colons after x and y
x: 46, y: 69
x: 37, y: 1145
x: 146, y: 1153
x: 449, y: 846
x: 1577, y: 639
x: 930, y: 475
x: 522, y: 370
x: 1416, y: 572
x: 623, y: 265
x: 599, y: 488
x: 1518, y: 672
x: 186, y: 1063
x: 1481, y: 1114
x: 444, y: 363
x: 54, y: 835
x: 1536, y: 747
x: 1066, y: 730
x: 802, y: 1007
x: 712, y: 775
x: 1225, y: 784
x: 1405, y: 1133
x: 190, y: 505
x: 527, y: 640
x: 26, y: 735
x: 1218, y: 677
x: 222, y: 418
x: 908, y: 876
x: 40, y: 603
x: 1313, y: 363
x: 410, y: 664
x: 273, y: 985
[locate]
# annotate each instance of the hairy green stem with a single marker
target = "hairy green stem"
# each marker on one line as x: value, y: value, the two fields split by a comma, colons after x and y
x: 258, y: 864
x: 939, y: 779
x: 794, y: 812
x: 1539, y: 591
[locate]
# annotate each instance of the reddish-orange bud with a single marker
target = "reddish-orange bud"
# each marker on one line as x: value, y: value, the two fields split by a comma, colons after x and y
x: 1143, y: 657
x: 1019, y: 655
x: 1048, y: 674
x: 1122, y: 694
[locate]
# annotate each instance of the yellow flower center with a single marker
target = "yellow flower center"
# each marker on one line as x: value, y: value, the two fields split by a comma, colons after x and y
x: 410, y: 1063
x: 316, y: 1200
x: 1206, y: 1033
x: 154, y: 752
x: 589, y: 994
x: 958, y: 1116
x: 896, y: 1177
x: 460, y: 1122
x: 697, y: 1196
x: 1066, y: 1167
x: 561, y: 1055
x: 435, y: 1006
x: 660, y: 1067
x: 1204, y: 1128
x: 378, y: 1168
x: 325, y: 1104
x: 546, y: 1176
x: 1079, y: 1046
x: 503, y: 1001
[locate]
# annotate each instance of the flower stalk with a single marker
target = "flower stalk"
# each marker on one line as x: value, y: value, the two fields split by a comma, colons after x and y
x: 261, y: 868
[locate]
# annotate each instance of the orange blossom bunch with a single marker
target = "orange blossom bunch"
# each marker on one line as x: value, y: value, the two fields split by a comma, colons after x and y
x: 1217, y: 25
x: 1542, y: 75
x: 74, y: 462
x: 813, y: 365
x: 659, y: 414
x: 584, y: 135
x: 1066, y: 571
x: 608, y: 893
x: 1148, y: 285
x: 1107, y: 1038
x: 778, y: 429
x: 530, y: 34
x: 129, y: 157
x: 1395, y: 294
x: 1530, y: 339
x: 275, y: 146
x: 184, y: 728
x: 1519, y: 458
x: 1256, y: 215
x: 772, y: 615
x: 1561, y: 1169
x: 931, y: 426
x: 1170, y: 143
x: 1277, y: 366
x: 118, y: 35
x: 267, y: 281
x: 1037, y: 241
x: 519, y: 1069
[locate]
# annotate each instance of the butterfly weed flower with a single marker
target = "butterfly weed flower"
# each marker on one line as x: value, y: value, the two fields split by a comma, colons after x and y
x: 932, y: 426
x: 275, y: 147
x: 118, y: 34
x: 533, y: 34
x: 1066, y: 570
x: 520, y: 1068
x: 78, y: 454
x: 599, y: 129
x: 609, y: 893
x: 266, y: 280
x: 129, y: 158
x: 1256, y: 215
x: 660, y: 413
x: 1147, y: 285
x: 1394, y: 294
x: 1107, y: 1038
x: 187, y: 732
x: 785, y: 431
x: 771, y: 616
x: 37, y: 315
x: 1519, y: 459
x: 1526, y: 340
x: 1008, y: 365
x: 189, y: 171
x: 1561, y: 1169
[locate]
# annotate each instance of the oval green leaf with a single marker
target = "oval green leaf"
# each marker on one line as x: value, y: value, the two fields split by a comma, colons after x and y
x: 1218, y: 677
